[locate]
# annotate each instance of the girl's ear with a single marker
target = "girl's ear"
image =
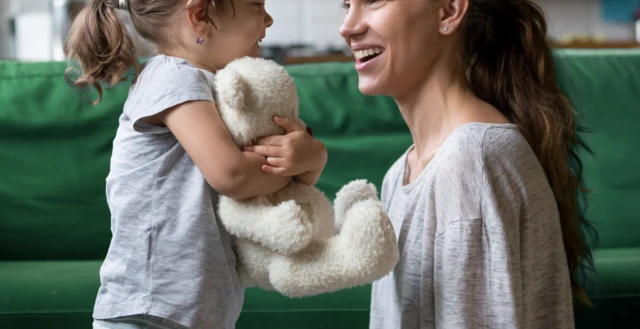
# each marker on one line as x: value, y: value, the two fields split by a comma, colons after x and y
x: 198, y: 17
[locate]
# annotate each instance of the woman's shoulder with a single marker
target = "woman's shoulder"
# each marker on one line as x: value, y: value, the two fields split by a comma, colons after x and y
x: 476, y: 151
x: 496, y: 155
x: 478, y: 142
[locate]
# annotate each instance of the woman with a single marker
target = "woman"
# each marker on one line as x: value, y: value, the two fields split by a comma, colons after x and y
x: 484, y: 202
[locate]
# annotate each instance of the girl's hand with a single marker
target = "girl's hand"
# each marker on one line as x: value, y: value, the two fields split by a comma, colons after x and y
x: 295, y: 154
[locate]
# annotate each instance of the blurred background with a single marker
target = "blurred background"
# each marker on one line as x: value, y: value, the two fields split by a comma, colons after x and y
x: 307, y: 30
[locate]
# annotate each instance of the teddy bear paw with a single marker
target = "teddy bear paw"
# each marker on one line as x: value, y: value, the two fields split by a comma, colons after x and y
x: 289, y: 229
x: 350, y: 194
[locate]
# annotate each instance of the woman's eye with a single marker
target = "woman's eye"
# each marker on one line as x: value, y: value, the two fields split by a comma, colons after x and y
x: 346, y: 5
x: 259, y: 4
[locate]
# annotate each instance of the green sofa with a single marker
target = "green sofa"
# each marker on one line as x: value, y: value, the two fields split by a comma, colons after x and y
x: 54, y: 157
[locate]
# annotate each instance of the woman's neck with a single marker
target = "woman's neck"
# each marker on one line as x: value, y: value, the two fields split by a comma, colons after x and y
x: 433, y: 111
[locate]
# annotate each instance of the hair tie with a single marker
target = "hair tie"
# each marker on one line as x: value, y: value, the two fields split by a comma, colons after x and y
x: 123, y: 4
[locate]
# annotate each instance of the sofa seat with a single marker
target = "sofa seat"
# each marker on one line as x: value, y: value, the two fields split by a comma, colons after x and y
x: 60, y: 295
x: 47, y: 294
x: 614, y: 289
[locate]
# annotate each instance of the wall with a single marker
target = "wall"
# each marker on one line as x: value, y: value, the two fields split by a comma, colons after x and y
x: 582, y: 16
x: 317, y: 21
x: 304, y: 21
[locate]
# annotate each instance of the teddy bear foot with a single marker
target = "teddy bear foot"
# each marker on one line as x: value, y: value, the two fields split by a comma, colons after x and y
x: 365, y: 251
x: 355, y: 191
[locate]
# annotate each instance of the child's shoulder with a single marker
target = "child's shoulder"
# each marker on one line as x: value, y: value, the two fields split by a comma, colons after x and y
x: 164, y: 82
x: 163, y: 76
x: 171, y: 70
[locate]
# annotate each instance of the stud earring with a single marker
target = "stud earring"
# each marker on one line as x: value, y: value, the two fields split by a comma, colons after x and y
x: 446, y: 29
x: 199, y: 40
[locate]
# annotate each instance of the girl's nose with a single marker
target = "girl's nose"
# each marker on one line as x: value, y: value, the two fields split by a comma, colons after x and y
x: 268, y: 20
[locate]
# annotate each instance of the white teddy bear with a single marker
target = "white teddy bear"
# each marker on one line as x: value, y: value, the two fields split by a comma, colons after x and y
x: 292, y: 241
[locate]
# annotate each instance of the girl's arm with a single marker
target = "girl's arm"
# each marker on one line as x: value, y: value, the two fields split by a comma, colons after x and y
x: 295, y: 154
x: 236, y: 174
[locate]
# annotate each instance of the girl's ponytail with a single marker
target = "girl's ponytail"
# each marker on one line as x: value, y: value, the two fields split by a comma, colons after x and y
x: 98, y: 40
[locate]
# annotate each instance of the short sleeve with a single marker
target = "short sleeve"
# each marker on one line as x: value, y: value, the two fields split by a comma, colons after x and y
x: 506, y: 269
x: 165, y: 82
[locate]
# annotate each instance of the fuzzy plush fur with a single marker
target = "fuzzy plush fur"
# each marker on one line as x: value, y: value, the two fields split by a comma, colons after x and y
x: 295, y: 241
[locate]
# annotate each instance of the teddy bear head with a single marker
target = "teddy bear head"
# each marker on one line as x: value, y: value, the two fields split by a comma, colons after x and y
x: 249, y: 93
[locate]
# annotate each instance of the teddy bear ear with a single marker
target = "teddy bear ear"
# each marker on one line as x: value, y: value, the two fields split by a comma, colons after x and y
x: 231, y: 89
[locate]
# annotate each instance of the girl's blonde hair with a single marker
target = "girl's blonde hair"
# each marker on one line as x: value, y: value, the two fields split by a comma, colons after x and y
x: 99, y: 40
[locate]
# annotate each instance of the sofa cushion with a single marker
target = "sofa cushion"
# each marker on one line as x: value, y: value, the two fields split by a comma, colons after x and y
x: 614, y: 290
x: 55, y: 153
x: 60, y: 295
x: 48, y: 294
x: 604, y: 88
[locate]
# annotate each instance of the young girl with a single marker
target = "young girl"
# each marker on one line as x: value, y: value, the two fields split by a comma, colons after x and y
x: 170, y: 262
x: 485, y: 202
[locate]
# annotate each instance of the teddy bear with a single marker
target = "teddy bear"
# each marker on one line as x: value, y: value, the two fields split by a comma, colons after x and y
x: 296, y: 242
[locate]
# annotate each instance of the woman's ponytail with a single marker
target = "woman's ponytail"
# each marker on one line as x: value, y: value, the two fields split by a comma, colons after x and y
x: 98, y: 40
x: 511, y: 66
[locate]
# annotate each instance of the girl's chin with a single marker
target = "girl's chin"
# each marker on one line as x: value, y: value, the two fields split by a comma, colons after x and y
x: 255, y: 51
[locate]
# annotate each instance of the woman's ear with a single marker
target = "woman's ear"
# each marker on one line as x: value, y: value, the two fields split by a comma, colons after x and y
x: 198, y: 16
x: 452, y: 15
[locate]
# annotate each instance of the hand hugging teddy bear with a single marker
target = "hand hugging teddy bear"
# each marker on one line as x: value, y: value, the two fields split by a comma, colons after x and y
x: 295, y: 241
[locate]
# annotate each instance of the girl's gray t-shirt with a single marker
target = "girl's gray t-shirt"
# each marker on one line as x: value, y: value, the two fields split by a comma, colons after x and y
x: 480, y: 239
x: 169, y: 255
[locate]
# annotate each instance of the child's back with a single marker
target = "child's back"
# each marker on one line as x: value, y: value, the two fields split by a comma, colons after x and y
x: 169, y: 255
x: 171, y: 263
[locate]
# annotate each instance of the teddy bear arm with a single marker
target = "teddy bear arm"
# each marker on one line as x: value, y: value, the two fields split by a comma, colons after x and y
x: 283, y: 228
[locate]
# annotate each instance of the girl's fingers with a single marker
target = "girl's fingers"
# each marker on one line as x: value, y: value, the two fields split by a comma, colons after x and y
x: 288, y: 125
x: 278, y: 171
x: 276, y: 140
x: 276, y: 162
x: 264, y: 150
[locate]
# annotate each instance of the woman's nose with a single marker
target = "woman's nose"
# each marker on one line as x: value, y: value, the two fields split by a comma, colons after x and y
x: 353, y: 24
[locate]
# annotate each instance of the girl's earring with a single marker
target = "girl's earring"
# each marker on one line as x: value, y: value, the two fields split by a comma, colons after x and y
x: 446, y: 29
x: 199, y: 40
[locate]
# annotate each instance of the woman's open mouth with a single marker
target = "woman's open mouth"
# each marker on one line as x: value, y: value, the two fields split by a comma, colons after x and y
x: 366, y: 55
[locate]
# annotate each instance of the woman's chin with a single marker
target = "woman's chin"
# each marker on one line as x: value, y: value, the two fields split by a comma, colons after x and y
x: 368, y: 87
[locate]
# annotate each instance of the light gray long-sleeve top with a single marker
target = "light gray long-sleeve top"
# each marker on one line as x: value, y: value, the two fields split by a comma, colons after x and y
x: 479, y: 237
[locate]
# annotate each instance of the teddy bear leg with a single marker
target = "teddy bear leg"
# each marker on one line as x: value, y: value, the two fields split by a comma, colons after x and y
x: 348, y: 195
x: 317, y: 206
x: 284, y: 227
x: 364, y: 251
x: 253, y: 264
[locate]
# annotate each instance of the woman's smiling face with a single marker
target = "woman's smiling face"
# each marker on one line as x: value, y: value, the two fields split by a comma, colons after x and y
x: 395, y: 42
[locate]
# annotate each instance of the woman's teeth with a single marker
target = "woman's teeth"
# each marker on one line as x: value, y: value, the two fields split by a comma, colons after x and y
x: 360, y: 54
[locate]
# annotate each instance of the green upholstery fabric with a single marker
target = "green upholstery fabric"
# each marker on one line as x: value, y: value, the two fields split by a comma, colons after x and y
x: 55, y: 149
x: 60, y: 294
x: 605, y: 90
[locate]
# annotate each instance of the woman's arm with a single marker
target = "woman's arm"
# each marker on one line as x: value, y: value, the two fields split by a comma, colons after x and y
x: 200, y: 130
x: 507, y: 268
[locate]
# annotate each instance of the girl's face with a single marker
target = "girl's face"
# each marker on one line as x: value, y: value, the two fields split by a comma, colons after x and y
x: 240, y: 28
x: 395, y: 42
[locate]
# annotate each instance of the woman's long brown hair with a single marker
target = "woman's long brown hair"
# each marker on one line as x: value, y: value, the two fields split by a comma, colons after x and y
x: 511, y: 66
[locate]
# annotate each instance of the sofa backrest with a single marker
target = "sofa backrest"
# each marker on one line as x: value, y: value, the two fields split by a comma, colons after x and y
x: 55, y: 148
x: 604, y: 86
